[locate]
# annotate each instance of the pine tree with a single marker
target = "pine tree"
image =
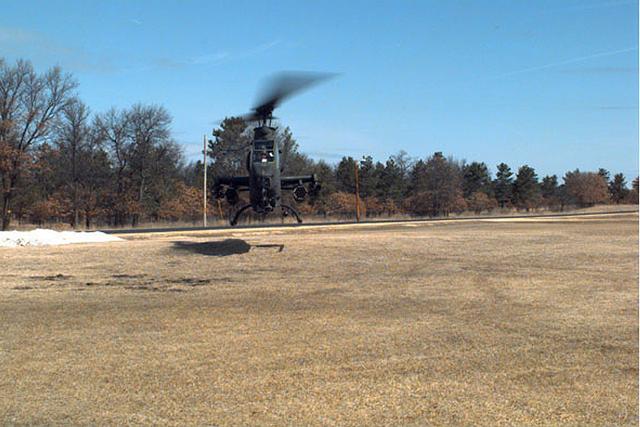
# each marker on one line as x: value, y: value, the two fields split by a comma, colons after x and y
x: 526, y: 191
x: 292, y: 162
x: 393, y: 181
x: 228, y: 149
x: 604, y: 174
x: 475, y: 177
x: 632, y: 197
x: 436, y: 186
x: 503, y: 185
x: 369, y: 176
x: 345, y: 175
x: 327, y: 176
x: 618, y: 188
x: 549, y: 186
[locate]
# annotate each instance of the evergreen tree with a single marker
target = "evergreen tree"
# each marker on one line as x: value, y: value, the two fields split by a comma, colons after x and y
x: 550, y: 191
x: 632, y: 197
x: 416, y: 177
x: 393, y: 181
x: 475, y: 177
x: 549, y: 186
x: 618, y: 188
x: 369, y: 177
x: 503, y: 185
x: 436, y: 186
x: 292, y: 162
x: 604, y: 174
x: 229, y: 147
x: 345, y: 175
x: 526, y: 191
x: 327, y: 177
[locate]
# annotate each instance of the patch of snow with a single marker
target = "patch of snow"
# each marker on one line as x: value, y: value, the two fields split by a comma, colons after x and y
x: 43, y: 237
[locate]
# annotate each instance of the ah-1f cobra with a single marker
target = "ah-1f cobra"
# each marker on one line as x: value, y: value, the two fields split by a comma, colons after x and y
x: 264, y: 181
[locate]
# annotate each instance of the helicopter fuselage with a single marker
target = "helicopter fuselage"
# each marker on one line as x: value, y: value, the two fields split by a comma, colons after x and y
x: 264, y: 171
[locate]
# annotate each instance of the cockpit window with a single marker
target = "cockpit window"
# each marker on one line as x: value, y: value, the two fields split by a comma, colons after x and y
x: 263, y: 145
x: 263, y: 151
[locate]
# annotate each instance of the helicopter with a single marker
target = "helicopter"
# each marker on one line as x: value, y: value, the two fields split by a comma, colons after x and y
x: 264, y: 180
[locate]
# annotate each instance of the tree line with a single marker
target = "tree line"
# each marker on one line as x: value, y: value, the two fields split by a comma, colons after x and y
x: 61, y: 162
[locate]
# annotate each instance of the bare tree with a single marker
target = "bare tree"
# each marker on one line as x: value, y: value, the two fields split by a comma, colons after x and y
x: 150, y: 130
x: 113, y: 131
x: 586, y: 188
x: 29, y: 106
x: 73, y: 140
x: 138, y: 140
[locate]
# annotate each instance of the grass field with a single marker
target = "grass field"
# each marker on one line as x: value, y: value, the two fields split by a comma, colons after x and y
x: 513, y: 322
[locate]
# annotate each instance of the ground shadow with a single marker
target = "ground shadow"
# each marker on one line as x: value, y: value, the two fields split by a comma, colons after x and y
x: 280, y: 247
x: 219, y: 248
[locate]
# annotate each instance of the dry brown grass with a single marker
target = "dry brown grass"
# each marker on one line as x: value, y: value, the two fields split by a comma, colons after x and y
x: 515, y: 323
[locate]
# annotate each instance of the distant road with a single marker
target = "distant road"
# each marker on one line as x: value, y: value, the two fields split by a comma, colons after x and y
x: 329, y: 223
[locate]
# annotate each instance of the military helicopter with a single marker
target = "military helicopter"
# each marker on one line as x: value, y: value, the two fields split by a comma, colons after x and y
x: 264, y: 181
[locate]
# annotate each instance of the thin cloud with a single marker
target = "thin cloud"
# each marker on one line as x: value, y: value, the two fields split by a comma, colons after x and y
x: 41, y: 48
x: 207, y: 59
x: 216, y: 57
x: 135, y: 21
x: 259, y: 49
x: 601, y: 70
x: 568, y: 61
x: 329, y: 155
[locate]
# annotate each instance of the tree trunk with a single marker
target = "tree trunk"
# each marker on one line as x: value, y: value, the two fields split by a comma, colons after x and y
x: 6, y: 214
x: 136, y: 216
x: 6, y: 202
x: 76, y: 215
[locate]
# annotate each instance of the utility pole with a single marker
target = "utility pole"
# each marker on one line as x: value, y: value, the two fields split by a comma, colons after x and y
x: 204, y: 193
x: 357, y: 192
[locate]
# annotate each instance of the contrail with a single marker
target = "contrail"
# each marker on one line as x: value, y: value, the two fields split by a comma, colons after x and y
x: 569, y: 61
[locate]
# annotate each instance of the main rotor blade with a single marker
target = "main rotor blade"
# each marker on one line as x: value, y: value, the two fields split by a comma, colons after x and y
x: 284, y: 85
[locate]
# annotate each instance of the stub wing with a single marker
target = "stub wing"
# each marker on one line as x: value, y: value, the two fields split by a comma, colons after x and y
x: 291, y: 182
x: 237, y: 182
x: 229, y: 186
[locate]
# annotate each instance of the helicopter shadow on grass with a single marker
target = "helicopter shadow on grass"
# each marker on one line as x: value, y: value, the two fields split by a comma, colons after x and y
x: 220, y: 248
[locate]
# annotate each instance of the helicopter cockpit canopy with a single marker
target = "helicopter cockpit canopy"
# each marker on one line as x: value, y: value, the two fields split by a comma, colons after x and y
x: 263, y: 152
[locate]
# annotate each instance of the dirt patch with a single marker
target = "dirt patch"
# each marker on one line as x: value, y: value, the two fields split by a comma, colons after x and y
x: 189, y: 281
x: 52, y: 277
x: 128, y: 276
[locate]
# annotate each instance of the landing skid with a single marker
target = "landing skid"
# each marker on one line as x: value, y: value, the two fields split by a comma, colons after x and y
x: 233, y: 219
x: 286, y: 209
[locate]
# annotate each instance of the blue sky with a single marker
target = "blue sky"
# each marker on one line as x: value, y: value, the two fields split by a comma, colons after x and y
x: 553, y: 84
